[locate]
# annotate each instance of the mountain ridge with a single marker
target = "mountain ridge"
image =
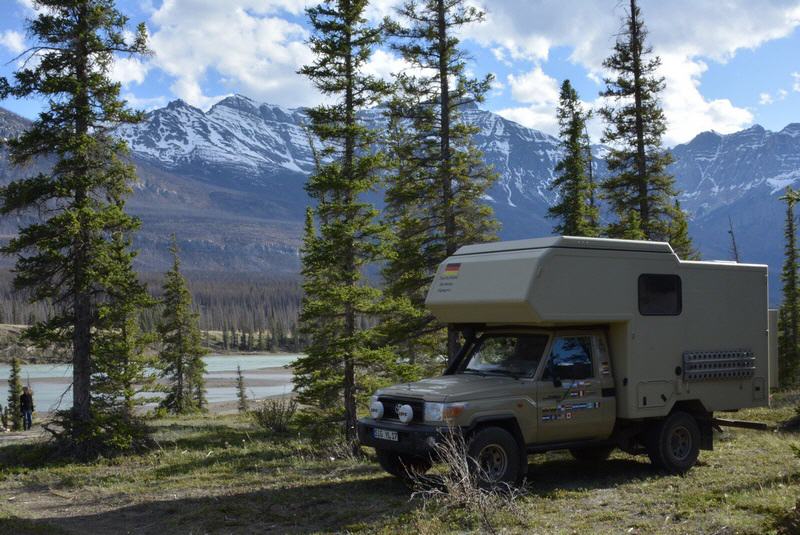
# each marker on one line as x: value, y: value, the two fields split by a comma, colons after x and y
x: 230, y: 180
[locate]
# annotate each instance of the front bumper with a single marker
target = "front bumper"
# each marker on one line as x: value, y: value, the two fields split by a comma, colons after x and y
x: 412, y: 439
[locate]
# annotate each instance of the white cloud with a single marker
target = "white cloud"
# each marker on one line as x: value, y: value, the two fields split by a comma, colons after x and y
x: 796, y: 82
x: 384, y: 64
x: 145, y: 104
x: 12, y: 40
x: 249, y: 47
x: 534, y: 87
x: 539, y: 92
x: 683, y: 33
x: 765, y: 99
x: 129, y: 70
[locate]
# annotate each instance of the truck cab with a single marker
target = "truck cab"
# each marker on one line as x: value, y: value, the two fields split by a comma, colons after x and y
x: 579, y: 344
x: 536, y: 389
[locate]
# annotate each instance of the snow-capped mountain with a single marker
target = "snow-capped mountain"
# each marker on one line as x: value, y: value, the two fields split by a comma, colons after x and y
x: 716, y: 170
x: 229, y: 182
x: 248, y: 145
x: 236, y: 132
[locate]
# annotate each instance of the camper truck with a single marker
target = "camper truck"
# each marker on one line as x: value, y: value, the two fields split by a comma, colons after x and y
x: 582, y: 344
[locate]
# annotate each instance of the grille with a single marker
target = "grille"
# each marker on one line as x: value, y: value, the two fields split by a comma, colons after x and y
x: 390, y: 411
x: 718, y: 365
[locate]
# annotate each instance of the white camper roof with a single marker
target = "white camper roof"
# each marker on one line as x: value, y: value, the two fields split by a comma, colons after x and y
x: 567, y: 242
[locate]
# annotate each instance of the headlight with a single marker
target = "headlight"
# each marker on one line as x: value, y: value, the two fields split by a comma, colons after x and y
x: 405, y: 413
x: 440, y: 412
x: 433, y: 412
x: 376, y: 409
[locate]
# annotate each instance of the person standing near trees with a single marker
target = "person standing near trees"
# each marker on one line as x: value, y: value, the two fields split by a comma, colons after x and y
x: 26, y: 406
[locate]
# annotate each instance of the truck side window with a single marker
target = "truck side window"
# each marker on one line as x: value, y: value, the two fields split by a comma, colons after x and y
x: 660, y: 295
x: 570, y: 358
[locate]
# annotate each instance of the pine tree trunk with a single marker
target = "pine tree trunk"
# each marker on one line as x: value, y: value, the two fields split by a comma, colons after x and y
x: 641, y: 161
x: 445, y: 168
x: 81, y: 341
x: 349, y: 385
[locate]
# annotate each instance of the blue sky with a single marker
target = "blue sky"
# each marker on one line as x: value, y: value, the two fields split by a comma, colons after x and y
x: 727, y: 65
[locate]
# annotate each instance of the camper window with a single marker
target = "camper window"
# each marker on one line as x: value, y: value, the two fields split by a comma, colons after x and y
x: 659, y: 295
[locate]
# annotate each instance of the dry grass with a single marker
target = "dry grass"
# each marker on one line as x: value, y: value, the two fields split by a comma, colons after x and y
x: 459, y: 484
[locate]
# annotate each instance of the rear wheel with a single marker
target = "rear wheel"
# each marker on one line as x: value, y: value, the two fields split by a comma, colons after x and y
x: 673, y: 444
x: 402, y: 466
x: 594, y: 454
x: 495, y: 457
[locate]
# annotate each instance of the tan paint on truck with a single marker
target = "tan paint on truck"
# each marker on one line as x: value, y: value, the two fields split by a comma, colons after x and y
x: 568, y: 281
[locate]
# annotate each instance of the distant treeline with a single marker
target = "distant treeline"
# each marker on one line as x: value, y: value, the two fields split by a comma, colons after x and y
x: 239, y: 304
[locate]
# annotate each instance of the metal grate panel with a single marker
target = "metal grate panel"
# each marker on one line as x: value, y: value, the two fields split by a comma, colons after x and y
x: 718, y: 365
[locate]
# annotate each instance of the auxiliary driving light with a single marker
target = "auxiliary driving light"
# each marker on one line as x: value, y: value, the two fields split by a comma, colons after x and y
x: 376, y: 409
x: 405, y: 413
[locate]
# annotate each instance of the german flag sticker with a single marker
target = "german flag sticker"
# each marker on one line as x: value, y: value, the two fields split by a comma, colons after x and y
x: 451, y: 270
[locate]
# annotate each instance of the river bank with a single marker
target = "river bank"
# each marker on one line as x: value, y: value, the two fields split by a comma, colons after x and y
x: 265, y: 375
x: 13, y: 346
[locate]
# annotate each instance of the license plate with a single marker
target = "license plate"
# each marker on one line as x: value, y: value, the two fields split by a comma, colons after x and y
x: 385, y: 434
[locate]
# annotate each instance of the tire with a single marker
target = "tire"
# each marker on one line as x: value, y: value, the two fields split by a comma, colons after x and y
x: 673, y: 444
x: 402, y: 466
x: 595, y: 454
x: 495, y: 457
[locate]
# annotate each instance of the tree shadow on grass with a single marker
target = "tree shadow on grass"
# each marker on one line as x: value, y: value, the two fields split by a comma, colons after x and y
x: 27, y: 455
x: 332, y: 506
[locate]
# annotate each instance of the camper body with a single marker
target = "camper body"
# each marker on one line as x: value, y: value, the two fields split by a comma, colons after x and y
x: 583, y: 344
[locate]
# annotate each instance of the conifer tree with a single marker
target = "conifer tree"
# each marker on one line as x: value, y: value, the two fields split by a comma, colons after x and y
x: 789, y: 315
x: 576, y: 215
x: 433, y: 196
x: 679, y: 235
x: 66, y: 256
x: 14, y: 392
x: 121, y: 367
x: 181, y: 353
x: 635, y: 125
x: 241, y: 392
x: 734, y: 247
x: 335, y: 372
x: 594, y: 210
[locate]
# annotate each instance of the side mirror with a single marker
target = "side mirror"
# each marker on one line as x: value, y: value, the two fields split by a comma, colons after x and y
x: 552, y: 371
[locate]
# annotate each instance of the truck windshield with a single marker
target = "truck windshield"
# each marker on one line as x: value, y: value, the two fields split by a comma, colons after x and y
x: 506, y: 354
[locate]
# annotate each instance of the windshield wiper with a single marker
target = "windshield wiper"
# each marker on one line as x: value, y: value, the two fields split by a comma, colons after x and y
x: 476, y: 372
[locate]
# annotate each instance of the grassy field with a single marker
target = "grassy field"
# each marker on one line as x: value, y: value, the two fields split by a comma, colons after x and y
x: 222, y: 475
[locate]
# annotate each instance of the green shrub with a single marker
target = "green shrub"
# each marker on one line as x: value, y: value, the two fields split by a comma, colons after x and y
x: 275, y: 414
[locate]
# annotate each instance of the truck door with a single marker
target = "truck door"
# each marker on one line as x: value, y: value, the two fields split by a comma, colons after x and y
x: 570, y: 403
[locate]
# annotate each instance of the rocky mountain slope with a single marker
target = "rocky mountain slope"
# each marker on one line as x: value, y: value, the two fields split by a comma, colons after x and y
x: 229, y: 183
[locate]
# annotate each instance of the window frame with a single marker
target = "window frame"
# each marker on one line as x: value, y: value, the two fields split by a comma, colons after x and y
x: 679, y: 288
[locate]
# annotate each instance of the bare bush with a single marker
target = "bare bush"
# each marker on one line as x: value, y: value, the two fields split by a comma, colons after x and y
x: 275, y: 414
x: 463, y: 485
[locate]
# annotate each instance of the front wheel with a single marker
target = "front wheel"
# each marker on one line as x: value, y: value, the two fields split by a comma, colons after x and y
x: 402, y: 466
x: 673, y: 444
x: 495, y: 457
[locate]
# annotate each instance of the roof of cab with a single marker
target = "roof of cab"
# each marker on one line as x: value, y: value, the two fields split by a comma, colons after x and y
x: 566, y: 242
